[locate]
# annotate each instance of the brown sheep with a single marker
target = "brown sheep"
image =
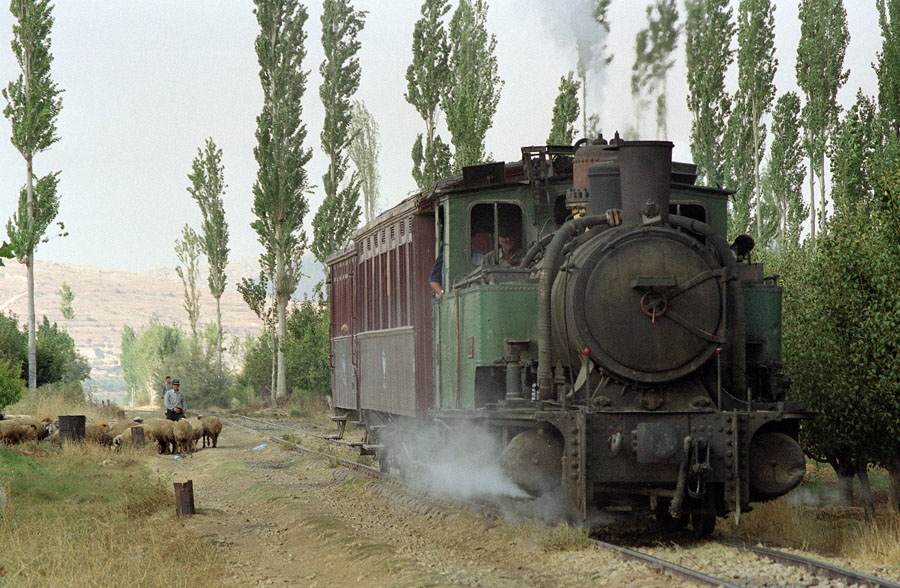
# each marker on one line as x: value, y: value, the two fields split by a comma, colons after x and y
x: 12, y: 431
x: 163, y: 432
x: 184, y: 436
x: 198, y: 431
x: 97, y: 433
x: 212, y: 426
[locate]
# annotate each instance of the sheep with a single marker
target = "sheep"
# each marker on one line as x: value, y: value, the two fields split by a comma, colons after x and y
x: 12, y: 431
x: 163, y: 432
x: 97, y: 433
x: 197, y: 427
x: 212, y: 426
x: 40, y: 425
x: 184, y: 436
x: 126, y: 436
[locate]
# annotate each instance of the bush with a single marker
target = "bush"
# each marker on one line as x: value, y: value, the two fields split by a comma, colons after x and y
x: 10, y: 382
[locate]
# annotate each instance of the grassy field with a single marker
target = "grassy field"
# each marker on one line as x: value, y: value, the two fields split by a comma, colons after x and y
x: 82, y: 515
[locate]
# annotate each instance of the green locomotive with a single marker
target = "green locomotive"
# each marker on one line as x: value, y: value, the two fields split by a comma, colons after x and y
x: 626, y: 353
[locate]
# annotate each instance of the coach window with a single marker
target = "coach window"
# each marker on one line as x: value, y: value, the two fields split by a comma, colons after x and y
x: 487, y: 221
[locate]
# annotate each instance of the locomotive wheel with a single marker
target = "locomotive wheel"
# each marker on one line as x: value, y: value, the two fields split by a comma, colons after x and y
x: 533, y: 460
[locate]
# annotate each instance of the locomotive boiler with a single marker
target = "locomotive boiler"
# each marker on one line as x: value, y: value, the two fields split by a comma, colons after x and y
x: 628, y: 354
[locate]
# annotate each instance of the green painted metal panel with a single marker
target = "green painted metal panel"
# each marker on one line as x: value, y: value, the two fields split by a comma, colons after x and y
x: 762, y: 308
x: 474, y: 325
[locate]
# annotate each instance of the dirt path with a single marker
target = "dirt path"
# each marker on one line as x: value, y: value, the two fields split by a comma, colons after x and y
x: 282, y: 518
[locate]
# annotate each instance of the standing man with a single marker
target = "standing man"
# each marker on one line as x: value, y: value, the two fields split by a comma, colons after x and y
x: 167, y: 386
x: 174, y: 402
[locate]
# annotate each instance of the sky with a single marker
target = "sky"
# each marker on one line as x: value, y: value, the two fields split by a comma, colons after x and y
x: 146, y: 82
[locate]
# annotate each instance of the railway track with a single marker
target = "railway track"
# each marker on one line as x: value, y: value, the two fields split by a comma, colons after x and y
x: 770, y: 564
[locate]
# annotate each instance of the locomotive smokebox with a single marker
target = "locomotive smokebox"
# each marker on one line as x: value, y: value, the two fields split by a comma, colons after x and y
x: 646, y: 175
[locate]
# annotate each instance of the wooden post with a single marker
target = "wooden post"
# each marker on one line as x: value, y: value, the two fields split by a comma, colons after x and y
x: 137, y: 436
x: 184, y: 498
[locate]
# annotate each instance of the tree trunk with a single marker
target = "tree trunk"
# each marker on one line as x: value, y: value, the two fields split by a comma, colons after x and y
x: 812, y: 200
x: 219, y: 338
x: 893, y: 468
x: 845, y: 469
x: 273, y: 383
x: 862, y: 472
x: 29, y: 267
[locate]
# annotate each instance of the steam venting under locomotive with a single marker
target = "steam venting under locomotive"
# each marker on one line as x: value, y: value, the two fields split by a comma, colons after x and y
x: 632, y: 358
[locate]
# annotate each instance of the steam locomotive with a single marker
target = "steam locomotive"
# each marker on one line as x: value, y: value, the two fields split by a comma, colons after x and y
x: 631, y: 357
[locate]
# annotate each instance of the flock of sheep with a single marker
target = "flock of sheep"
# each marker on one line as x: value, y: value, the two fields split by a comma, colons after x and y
x: 172, y: 437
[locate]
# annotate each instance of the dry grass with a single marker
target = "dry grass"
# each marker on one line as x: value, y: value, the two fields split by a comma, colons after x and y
x: 810, y: 519
x: 82, y: 515
x: 52, y: 401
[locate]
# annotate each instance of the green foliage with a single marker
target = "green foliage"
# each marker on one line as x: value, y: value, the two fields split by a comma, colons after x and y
x: 708, y: 33
x: 148, y: 357
x: 783, y: 210
x: 33, y: 101
x: 279, y: 193
x: 256, y: 371
x: 888, y: 65
x: 820, y: 74
x: 363, y: 150
x: 307, y: 349
x: 13, y: 340
x: 57, y: 359
x: 338, y: 216
x: 6, y: 252
x: 207, y: 187
x: 565, y: 112
x: 188, y: 250
x: 853, y: 144
x: 471, y: 95
x: 746, y: 132
x: 66, y: 297
x: 427, y: 78
x: 11, y: 384
x: 207, y: 179
x: 654, y: 47
x: 431, y: 161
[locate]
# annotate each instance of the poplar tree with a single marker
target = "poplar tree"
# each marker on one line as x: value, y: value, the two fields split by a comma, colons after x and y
x: 888, y: 64
x: 363, y: 150
x: 708, y: 32
x: 207, y: 188
x: 470, y: 99
x: 565, y: 112
x: 820, y: 74
x: 783, y: 210
x: 427, y: 78
x: 66, y: 298
x: 279, y: 193
x: 753, y: 101
x: 654, y: 46
x: 339, y: 212
x: 188, y: 250
x: 593, y: 54
x: 33, y: 105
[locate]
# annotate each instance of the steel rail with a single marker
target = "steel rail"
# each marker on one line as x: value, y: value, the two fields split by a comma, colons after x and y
x: 666, y: 566
x: 819, y: 567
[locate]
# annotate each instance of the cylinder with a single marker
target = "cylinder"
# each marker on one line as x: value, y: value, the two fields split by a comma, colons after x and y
x: 646, y: 177
x: 71, y: 427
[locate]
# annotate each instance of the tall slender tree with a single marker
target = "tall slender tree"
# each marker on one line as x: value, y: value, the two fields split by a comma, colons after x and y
x: 593, y: 55
x: 33, y: 105
x: 784, y: 211
x: 279, y: 193
x: 470, y: 99
x: 565, y: 111
x: 753, y: 101
x: 188, y: 250
x: 339, y: 213
x: 888, y: 64
x: 363, y: 150
x: 708, y: 32
x: 66, y: 298
x: 654, y: 47
x: 427, y: 78
x: 820, y: 74
x: 207, y: 187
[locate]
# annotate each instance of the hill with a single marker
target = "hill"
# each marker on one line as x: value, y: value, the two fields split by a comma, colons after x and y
x: 107, y: 300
